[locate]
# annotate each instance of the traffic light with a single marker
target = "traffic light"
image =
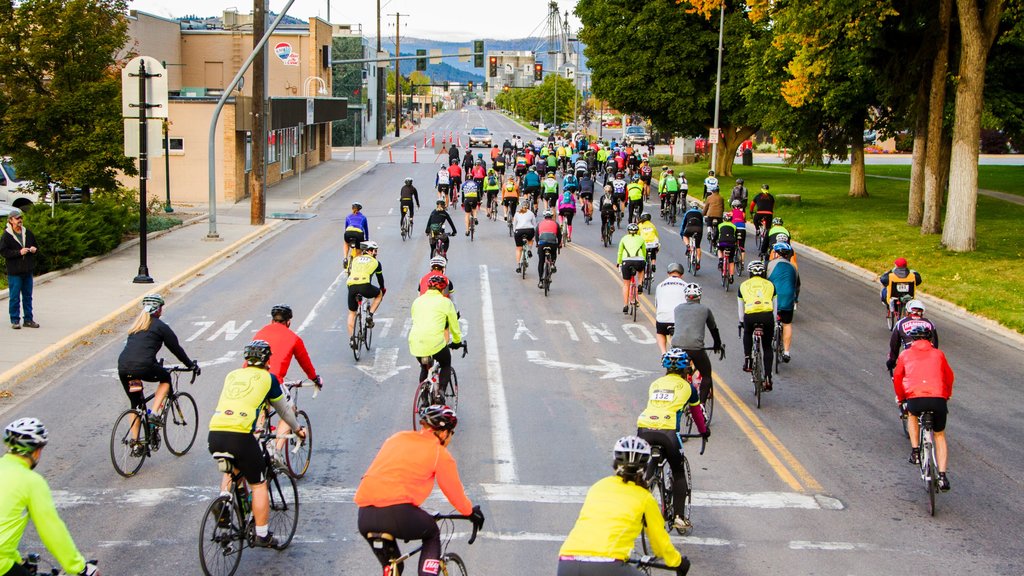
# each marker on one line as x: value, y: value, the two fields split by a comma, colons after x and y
x: 506, y: 89
x: 470, y: 85
x: 445, y: 85
x: 538, y: 72
x: 484, y: 86
x: 421, y: 59
x: 493, y: 65
x: 478, y: 53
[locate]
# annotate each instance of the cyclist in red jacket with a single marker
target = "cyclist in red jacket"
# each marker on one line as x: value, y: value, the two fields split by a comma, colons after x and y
x: 924, y: 383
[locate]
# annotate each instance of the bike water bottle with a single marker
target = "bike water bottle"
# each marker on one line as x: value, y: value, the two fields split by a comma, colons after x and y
x: 151, y: 419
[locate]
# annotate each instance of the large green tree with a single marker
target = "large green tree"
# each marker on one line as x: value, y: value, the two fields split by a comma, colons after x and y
x: 60, y: 90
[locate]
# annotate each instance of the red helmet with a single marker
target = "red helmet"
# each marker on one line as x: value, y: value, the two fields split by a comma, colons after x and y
x: 900, y: 262
x: 437, y: 282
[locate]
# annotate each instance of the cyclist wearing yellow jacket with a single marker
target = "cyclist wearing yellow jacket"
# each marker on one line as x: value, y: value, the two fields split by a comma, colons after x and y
x: 364, y: 268
x: 632, y: 259
x: 614, y: 512
x: 649, y: 233
x: 432, y: 314
x: 25, y: 495
x: 756, y: 300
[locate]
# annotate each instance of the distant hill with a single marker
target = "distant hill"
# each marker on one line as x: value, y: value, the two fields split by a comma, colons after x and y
x: 453, y: 70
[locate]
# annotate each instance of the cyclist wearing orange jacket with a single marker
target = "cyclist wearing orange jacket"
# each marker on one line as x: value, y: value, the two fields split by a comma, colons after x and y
x: 400, y: 479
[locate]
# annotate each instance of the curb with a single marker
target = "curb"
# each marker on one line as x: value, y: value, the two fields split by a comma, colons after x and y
x: 54, y: 352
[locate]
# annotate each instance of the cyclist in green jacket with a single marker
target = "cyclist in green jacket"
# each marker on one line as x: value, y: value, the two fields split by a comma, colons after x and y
x: 492, y: 185
x: 632, y: 259
x: 25, y: 495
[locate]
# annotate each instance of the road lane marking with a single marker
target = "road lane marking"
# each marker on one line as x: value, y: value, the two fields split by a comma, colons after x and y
x: 841, y: 546
x: 327, y: 295
x: 501, y: 430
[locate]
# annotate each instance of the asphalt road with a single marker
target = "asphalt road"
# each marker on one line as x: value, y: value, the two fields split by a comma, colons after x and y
x: 815, y: 482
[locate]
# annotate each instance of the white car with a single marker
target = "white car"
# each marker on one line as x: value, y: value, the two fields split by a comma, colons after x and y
x: 636, y: 135
x: 480, y: 136
x: 14, y: 192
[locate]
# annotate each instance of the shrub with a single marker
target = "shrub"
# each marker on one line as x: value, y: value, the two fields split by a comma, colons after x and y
x: 905, y: 142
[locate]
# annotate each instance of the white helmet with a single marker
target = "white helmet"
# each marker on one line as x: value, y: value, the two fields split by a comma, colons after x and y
x: 439, y: 261
x: 368, y: 245
x: 24, y: 435
x: 915, y: 306
x: 692, y: 291
x: 631, y: 455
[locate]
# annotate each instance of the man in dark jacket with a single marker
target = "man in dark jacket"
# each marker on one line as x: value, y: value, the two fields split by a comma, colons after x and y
x: 18, y: 247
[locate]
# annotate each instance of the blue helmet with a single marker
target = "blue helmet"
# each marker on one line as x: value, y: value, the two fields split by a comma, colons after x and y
x: 783, y: 249
x: 675, y: 359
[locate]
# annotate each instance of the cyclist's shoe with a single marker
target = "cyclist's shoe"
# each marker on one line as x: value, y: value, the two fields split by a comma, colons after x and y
x: 682, y: 525
x: 625, y: 309
x: 786, y: 357
x: 654, y: 267
x: 915, y: 456
x: 698, y: 265
x: 369, y: 320
x: 943, y: 482
x: 687, y: 250
x: 352, y: 341
x: 475, y: 221
x: 529, y: 253
x: 768, y: 384
x: 344, y: 263
x: 554, y: 268
x: 519, y: 269
x: 268, y: 541
x: 138, y: 449
x: 730, y: 278
x: 223, y: 514
x: 467, y: 232
x: 540, y: 284
x: 746, y: 364
x: 719, y: 263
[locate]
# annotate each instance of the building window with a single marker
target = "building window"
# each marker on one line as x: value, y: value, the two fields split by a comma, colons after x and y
x: 273, y: 142
x: 289, y: 138
x: 248, y: 151
x: 176, y: 146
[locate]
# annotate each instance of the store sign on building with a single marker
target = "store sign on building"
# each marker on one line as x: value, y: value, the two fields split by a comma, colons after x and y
x: 288, y: 56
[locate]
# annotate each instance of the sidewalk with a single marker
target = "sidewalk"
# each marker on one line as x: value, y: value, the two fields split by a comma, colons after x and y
x: 72, y: 306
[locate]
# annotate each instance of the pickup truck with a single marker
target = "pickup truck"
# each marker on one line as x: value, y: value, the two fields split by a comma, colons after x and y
x: 14, y: 192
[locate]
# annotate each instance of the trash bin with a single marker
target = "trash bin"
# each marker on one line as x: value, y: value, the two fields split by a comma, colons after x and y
x: 748, y: 157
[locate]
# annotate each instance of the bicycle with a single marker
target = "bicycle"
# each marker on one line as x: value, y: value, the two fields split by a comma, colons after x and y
x: 136, y: 432
x: 727, y: 259
x: 32, y: 561
x: 406, y: 227
x: 691, y: 256
x: 777, y: 342
x: 634, y: 304
x: 648, y: 272
x: 672, y: 208
x: 472, y: 227
x: 228, y: 525
x: 929, y: 464
x: 492, y: 207
x: 757, y: 375
x: 563, y: 232
x: 429, y: 392
x: 660, y: 481
x: 362, y: 333
x: 606, y: 232
x: 644, y: 563
x: 299, y: 450
x: 524, y: 260
x: 439, y: 249
x: 547, y: 270
x: 896, y: 310
x: 451, y: 563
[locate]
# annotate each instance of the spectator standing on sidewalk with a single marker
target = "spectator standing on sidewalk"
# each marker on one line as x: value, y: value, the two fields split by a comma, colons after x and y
x: 18, y: 247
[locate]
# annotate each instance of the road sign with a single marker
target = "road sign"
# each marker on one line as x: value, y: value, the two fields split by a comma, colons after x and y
x: 465, y: 54
x: 713, y: 136
x: 509, y: 69
x: 435, y: 52
x: 570, y: 72
x: 156, y: 88
x: 154, y: 141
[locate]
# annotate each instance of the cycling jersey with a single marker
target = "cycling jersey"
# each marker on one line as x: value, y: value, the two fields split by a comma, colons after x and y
x: 900, y: 338
x: 478, y: 172
x: 726, y: 235
x: 524, y: 221
x: 26, y: 495
x: 763, y: 203
x: 470, y: 191
x: 570, y: 183
x: 667, y: 397
x: 356, y: 222
x: 285, y: 344
x: 438, y: 218
x: 245, y: 392
x: 649, y: 232
x: 668, y: 184
x: 619, y: 186
x: 586, y: 186
x: 362, y: 269
x: 922, y: 372
x: 632, y: 247
x: 547, y: 232
x: 423, y: 283
x: 531, y: 180
x: 454, y: 171
x: 140, y: 348
x: 635, y: 191
x: 900, y: 282
x: 612, y: 516
x: 431, y: 314
x: 404, y: 471
x: 492, y: 183
x: 409, y: 192
x: 442, y: 179
x: 567, y: 201
x: 510, y: 190
x: 667, y: 296
x: 756, y: 295
x: 690, y: 320
x: 786, y: 279
x: 693, y: 218
x: 550, y: 186
x: 739, y: 192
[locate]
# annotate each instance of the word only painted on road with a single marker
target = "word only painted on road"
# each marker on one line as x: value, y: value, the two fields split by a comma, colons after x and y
x: 598, y: 332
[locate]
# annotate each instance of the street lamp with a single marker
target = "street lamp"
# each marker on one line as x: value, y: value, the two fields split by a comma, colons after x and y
x: 718, y: 86
x: 321, y: 86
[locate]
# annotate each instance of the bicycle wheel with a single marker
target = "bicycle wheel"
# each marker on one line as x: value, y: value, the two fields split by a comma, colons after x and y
x: 662, y: 489
x: 357, y: 333
x: 931, y: 477
x: 472, y: 228
x: 128, y: 452
x: 546, y: 281
x: 709, y: 403
x: 419, y: 401
x: 181, y: 419
x: 367, y: 335
x: 890, y: 318
x: 687, y: 499
x: 757, y: 372
x: 220, y: 538
x: 298, y: 462
x: 777, y: 346
x: 451, y: 394
x: 633, y: 303
x: 284, y: 507
x: 452, y: 565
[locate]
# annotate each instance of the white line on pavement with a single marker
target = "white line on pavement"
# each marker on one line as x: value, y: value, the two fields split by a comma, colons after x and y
x: 716, y: 499
x: 808, y: 545
x: 319, y: 303
x: 501, y: 431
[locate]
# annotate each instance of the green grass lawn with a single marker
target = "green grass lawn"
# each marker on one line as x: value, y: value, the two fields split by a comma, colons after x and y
x: 1009, y: 179
x: 871, y: 232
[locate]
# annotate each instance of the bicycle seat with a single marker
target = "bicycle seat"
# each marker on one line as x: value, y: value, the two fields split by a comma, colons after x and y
x: 225, y: 461
x: 655, y: 453
x: 758, y: 330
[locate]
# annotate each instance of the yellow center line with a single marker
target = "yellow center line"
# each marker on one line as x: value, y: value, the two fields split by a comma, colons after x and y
x: 737, y: 410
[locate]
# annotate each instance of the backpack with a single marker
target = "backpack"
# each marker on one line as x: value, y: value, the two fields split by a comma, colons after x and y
x: 491, y: 180
x: 566, y: 198
x: 442, y: 177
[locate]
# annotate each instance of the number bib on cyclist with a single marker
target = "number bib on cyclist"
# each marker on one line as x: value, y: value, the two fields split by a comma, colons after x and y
x: 245, y: 391
x: 362, y: 268
x: 666, y: 398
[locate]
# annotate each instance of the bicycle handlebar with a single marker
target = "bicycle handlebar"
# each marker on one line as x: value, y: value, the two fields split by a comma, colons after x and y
x: 476, y: 528
x: 652, y: 562
x: 183, y: 369
x: 304, y: 383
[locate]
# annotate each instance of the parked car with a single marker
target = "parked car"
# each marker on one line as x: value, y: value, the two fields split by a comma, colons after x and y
x: 13, y: 191
x: 636, y: 136
x: 480, y: 136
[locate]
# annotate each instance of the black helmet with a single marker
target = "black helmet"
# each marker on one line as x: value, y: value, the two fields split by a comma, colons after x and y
x: 645, y: 217
x: 439, y: 417
x: 281, y: 312
x: 920, y: 332
x: 257, y: 353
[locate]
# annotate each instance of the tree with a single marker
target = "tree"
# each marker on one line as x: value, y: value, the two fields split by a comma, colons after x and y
x: 60, y: 94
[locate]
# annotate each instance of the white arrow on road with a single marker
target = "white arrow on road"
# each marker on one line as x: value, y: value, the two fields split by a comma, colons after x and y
x: 607, y: 369
x: 384, y: 364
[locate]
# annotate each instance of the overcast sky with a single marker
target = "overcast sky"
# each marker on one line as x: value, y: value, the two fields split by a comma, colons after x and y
x: 454, y: 20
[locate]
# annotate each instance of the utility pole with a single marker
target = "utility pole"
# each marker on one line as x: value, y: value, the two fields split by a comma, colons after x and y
x: 258, y: 201
x: 398, y: 73
x: 718, y: 89
x: 379, y: 112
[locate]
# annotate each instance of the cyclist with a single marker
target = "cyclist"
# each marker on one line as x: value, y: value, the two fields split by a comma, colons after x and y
x: 26, y: 495
x: 406, y: 197
x: 658, y: 424
x: 479, y: 172
x: 924, y: 383
x: 668, y: 189
x: 691, y: 229
x: 738, y: 218
x: 608, y: 208
x: 646, y: 172
x: 566, y: 210
x: 467, y: 165
x: 524, y: 226
x: 549, y: 237
x: 437, y: 268
x: 635, y: 194
x: 470, y: 201
x: 739, y: 193
x: 587, y: 194
x: 668, y: 295
x: 455, y: 175
x: 288, y: 344
x: 690, y: 319
x: 495, y: 153
x: 632, y: 259
x: 432, y: 315
x: 762, y: 207
x: 137, y: 362
x: 400, y: 479
x: 774, y: 235
x: 619, y: 193
x: 364, y: 269
x: 649, y: 232
x: 550, y: 189
x: 510, y: 197
x: 521, y: 164
x: 786, y: 279
x: 714, y: 209
x: 442, y: 182
x: 356, y: 230
x: 899, y: 282
x: 435, y: 227
x: 531, y: 187
x: 900, y: 339
x: 498, y: 165
x: 710, y: 182
x: 727, y: 236
x: 581, y: 167
x: 246, y: 391
x: 571, y: 183
x: 756, y: 302
x: 614, y: 512
x: 492, y: 185
x: 453, y: 154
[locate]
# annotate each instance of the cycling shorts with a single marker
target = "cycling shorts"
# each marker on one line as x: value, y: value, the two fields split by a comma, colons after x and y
x: 786, y: 316
x: 588, y: 196
x: 937, y: 405
x: 524, y: 235
x: 353, y: 238
x: 470, y: 204
x: 618, y: 196
x: 694, y: 232
x: 511, y: 202
x: 631, y: 268
x: 246, y: 452
x: 368, y: 291
x: 664, y: 328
